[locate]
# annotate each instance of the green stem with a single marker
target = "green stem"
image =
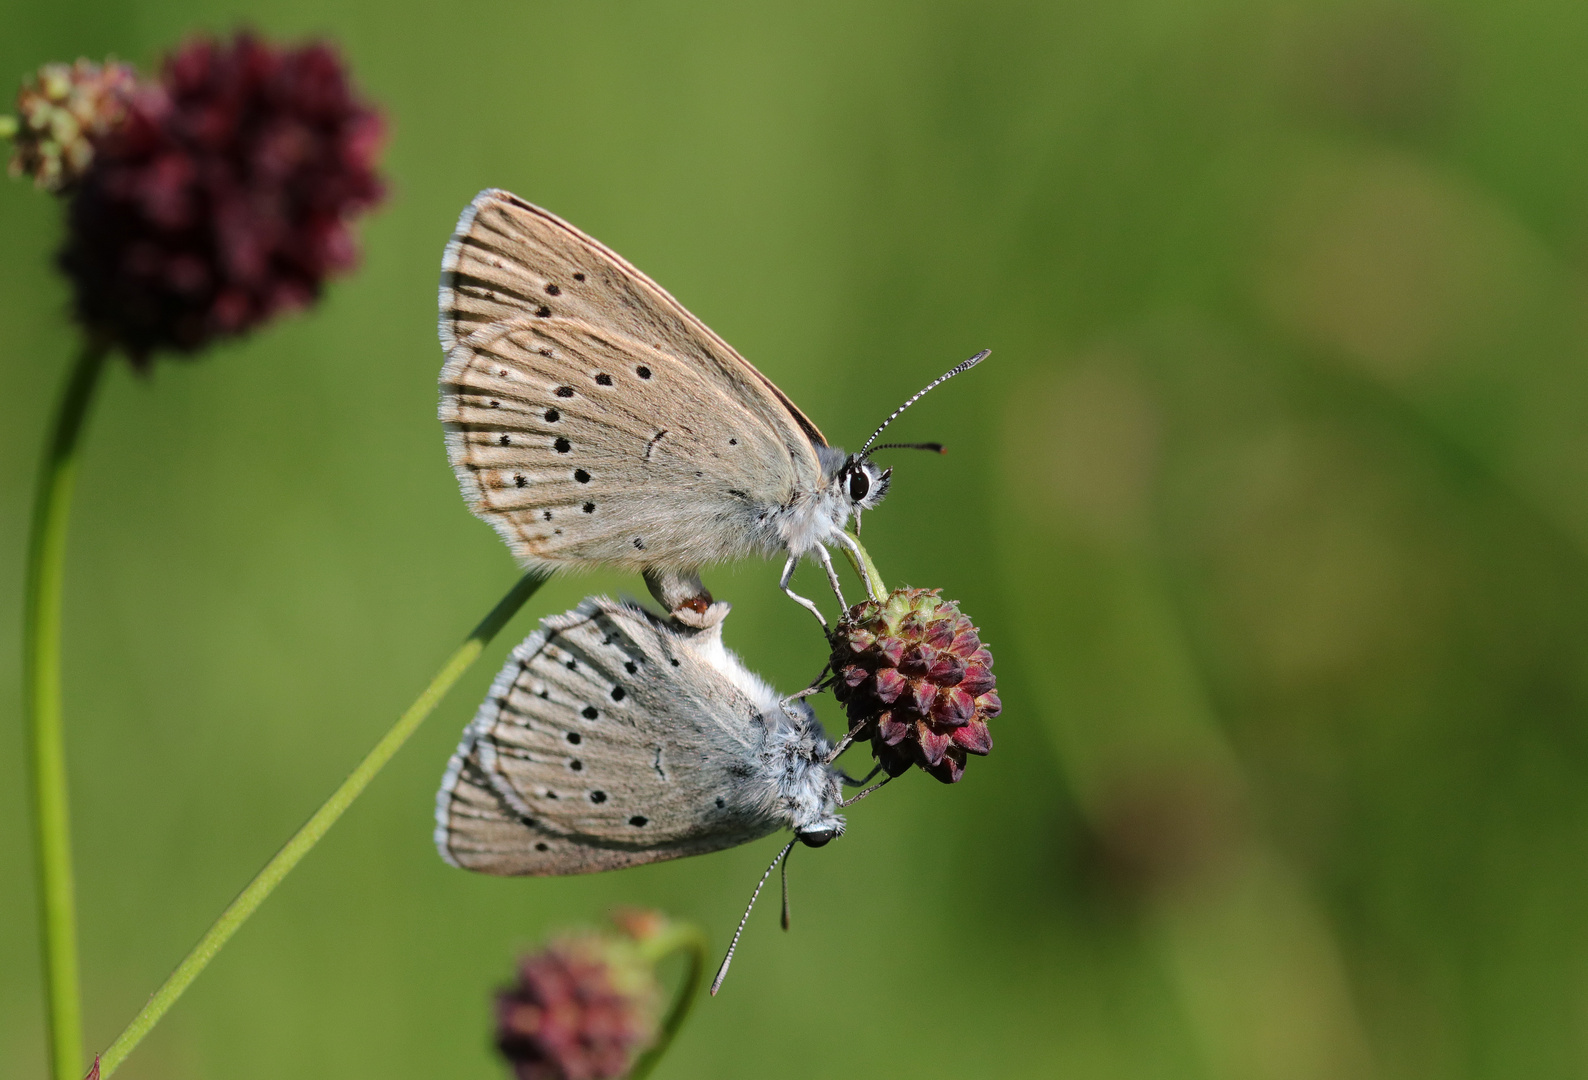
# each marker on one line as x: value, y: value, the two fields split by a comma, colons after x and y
x: 41, y: 681
x: 316, y: 827
x: 677, y: 937
x: 865, y: 568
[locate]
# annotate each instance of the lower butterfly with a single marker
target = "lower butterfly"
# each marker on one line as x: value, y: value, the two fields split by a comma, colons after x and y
x: 613, y: 737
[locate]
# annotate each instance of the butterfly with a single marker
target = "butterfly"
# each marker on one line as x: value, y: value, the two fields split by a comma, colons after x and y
x: 613, y: 737
x: 592, y: 420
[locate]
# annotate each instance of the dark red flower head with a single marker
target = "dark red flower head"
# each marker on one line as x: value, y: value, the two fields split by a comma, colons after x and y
x: 916, y: 680
x: 583, y: 1008
x: 224, y: 197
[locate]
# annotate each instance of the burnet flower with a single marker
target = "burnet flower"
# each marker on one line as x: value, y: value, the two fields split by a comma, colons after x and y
x: 224, y: 195
x: 914, y: 677
x: 584, y: 1007
x: 62, y: 114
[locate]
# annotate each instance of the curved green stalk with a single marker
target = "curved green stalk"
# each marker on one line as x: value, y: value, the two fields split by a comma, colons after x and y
x: 677, y: 937
x: 860, y: 559
x: 304, y: 839
x: 41, y: 682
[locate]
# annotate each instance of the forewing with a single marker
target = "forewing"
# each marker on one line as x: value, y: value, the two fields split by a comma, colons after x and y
x: 513, y: 265
x: 582, y: 447
x: 606, y: 741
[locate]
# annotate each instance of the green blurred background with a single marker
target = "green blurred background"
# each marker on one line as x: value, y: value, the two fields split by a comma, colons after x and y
x: 1273, y: 503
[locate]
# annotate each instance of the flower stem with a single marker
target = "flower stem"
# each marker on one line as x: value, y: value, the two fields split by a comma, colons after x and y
x: 304, y: 839
x: 677, y: 937
x: 865, y: 567
x: 41, y: 681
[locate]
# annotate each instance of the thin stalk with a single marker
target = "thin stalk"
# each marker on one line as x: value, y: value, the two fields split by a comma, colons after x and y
x: 860, y: 559
x: 677, y: 937
x: 41, y: 682
x: 304, y: 839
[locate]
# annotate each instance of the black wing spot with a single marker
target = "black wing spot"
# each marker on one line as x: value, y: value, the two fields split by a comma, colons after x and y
x: 544, y: 694
x: 552, y: 290
x: 698, y: 475
x: 618, y: 693
x: 527, y: 820
x: 518, y: 480
x: 737, y: 494
x: 543, y: 312
x: 598, y: 796
x: 565, y: 391
x: 670, y: 660
x: 603, y: 379
x: 562, y: 446
x: 496, y: 404
x: 505, y: 441
x: 551, y: 794
x: 589, y: 508
x: 546, y: 514
x: 639, y: 543
x: 589, y: 712
x: 643, y: 372
x: 573, y: 665
x: 733, y: 442
x: 556, y: 532
x: 578, y: 276
x: 575, y: 738
x: 552, y: 416
x: 721, y: 802
x: 638, y: 820
x: 542, y: 847
x: 581, y: 476
x: 629, y: 666
x: 576, y: 765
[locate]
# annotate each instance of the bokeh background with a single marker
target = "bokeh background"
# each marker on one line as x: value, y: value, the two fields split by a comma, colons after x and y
x: 1273, y: 502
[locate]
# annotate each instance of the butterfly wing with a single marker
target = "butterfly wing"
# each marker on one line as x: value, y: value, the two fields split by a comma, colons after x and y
x: 592, y: 419
x: 607, y: 740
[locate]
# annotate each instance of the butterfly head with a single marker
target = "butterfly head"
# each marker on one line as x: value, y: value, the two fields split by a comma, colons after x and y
x: 863, y: 483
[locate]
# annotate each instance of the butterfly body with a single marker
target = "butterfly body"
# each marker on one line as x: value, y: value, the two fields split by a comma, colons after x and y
x: 613, y: 738
x: 592, y: 420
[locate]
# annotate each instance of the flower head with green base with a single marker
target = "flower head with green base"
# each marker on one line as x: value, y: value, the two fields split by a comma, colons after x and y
x: 915, y: 678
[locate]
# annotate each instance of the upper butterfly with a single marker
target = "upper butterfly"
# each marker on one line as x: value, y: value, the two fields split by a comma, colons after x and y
x: 592, y: 420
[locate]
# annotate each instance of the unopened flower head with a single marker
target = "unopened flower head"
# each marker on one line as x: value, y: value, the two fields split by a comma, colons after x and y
x: 62, y: 114
x: 583, y: 1008
x: 225, y: 195
x: 915, y: 679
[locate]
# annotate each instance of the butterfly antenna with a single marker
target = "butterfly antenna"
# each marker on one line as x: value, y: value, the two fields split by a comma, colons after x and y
x: 935, y: 447
x: 928, y: 388
x: 788, y: 853
x: 722, y: 972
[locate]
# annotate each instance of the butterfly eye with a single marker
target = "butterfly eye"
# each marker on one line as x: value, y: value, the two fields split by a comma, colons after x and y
x: 816, y: 837
x: 859, y: 485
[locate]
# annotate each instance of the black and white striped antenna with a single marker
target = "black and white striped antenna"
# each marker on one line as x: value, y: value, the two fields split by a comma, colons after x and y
x: 722, y: 972
x: 928, y: 388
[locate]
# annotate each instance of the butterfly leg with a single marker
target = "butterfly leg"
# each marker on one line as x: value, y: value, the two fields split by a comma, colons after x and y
x: 832, y: 576
x: 850, y: 781
x: 788, y: 575
x: 821, y: 683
